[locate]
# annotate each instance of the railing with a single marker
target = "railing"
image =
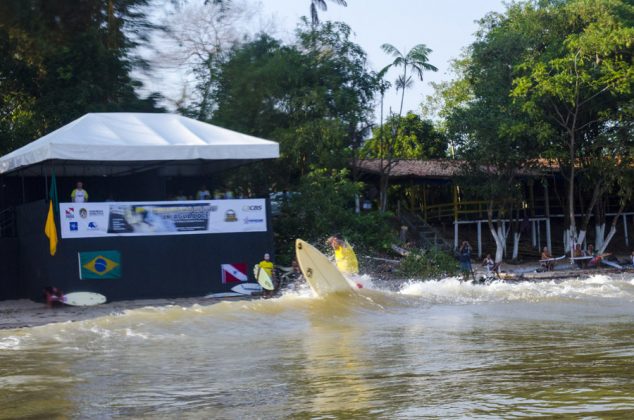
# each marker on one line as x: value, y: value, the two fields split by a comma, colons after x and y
x: 8, y: 226
x: 424, y: 230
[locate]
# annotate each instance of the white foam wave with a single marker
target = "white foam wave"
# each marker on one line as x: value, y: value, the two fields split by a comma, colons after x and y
x: 452, y: 290
x: 10, y: 343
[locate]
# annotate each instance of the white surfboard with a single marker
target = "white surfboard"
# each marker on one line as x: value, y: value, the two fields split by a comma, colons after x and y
x: 83, y: 299
x: 222, y: 295
x: 248, y: 289
x: 553, y: 259
x: 611, y: 264
x: 322, y: 275
x: 263, y: 278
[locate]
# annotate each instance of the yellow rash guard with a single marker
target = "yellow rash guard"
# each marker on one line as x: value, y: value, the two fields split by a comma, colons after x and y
x: 267, y: 266
x: 346, y: 259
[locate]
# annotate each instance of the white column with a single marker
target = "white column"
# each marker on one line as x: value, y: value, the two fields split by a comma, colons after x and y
x: 480, y: 239
x: 534, y: 234
x: 548, y: 241
x: 455, y: 234
x: 627, y: 240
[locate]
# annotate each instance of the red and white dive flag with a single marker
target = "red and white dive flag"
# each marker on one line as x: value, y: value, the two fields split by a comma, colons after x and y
x: 234, y: 273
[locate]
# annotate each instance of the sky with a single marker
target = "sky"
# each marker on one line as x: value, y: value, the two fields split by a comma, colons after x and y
x: 445, y: 26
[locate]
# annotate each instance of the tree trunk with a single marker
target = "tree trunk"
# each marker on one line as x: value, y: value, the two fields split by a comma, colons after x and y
x: 615, y: 222
x: 599, y: 237
x: 572, y: 231
x: 499, y: 234
x: 516, y: 245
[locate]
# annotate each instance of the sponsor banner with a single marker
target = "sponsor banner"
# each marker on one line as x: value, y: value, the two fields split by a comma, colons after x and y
x: 234, y: 273
x: 88, y: 220
x: 99, y: 265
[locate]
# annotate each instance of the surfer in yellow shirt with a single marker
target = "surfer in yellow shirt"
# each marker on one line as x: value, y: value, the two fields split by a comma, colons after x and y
x: 345, y: 257
x: 267, y: 265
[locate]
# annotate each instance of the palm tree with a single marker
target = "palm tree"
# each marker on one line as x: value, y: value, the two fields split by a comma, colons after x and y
x: 321, y: 4
x: 416, y: 60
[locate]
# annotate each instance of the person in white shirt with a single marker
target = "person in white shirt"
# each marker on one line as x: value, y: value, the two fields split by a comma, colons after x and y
x: 203, y: 193
x: 79, y: 194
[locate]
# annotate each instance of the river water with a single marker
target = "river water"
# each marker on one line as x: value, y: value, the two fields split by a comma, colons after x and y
x: 440, y: 349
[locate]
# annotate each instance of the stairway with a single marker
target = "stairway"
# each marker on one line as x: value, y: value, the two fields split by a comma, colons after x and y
x: 427, y: 236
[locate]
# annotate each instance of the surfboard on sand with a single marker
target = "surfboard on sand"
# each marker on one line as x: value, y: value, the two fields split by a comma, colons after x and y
x: 263, y: 278
x: 611, y: 264
x: 322, y: 275
x: 83, y: 299
x: 223, y: 295
x: 553, y: 259
x: 247, y: 289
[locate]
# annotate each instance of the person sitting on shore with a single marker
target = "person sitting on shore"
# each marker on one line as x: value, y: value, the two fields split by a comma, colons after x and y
x: 53, y: 296
x: 491, y: 266
x: 594, y: 262
x: 547, y: 260
x: 578, y: 253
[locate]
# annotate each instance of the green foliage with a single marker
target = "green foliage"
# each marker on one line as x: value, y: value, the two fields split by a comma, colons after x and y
x: 416, y: 60
x: 314, y: 97
x: 428, y: 264
x: 325, y: 206
x: 60, y: 60
x: 415, y: 139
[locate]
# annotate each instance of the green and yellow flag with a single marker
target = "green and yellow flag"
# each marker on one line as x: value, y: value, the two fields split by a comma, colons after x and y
x: 99, y: 265
x: 50, y: 229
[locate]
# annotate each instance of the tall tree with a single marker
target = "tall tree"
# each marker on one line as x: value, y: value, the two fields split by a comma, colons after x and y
x: 417, y: 61
x: 61, y: 60
x: 492, y: 133
x: 321, y: 4
x: 313, y: 96
x: 578, y: 73
x: 549, y: 79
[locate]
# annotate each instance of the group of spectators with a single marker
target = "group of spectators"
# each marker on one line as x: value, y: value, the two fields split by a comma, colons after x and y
x: 80, y: 195
x: 203, y: 193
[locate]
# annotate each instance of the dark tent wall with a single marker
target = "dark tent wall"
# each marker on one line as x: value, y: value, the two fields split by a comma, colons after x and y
x: 152, y: 266
x: 9, y: 277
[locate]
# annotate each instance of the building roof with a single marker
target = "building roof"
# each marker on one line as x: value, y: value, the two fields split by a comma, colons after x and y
x: 115, y: 142
x: 433, y: 169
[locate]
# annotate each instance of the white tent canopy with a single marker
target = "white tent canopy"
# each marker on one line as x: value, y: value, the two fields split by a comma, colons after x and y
x: 110, y: 143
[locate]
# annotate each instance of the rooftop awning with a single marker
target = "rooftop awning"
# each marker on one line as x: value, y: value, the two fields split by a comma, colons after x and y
x: 121, y: 143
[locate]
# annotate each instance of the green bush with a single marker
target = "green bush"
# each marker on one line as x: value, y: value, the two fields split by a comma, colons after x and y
x: 432, y: 263
x: 325, y: 206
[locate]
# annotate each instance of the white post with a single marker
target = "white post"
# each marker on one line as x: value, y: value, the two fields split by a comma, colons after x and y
x: 479, y: 240
x: 539, y: 236
x: 627, y: 241
x: 504, y: 233
x: 548, y: 242
x: 534, y: 234
x: 455, y: 234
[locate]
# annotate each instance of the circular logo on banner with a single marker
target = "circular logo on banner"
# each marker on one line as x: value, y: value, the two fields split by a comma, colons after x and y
x: 230, y: 216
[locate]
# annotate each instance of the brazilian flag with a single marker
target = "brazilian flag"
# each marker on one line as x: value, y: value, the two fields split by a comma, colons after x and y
x: 100, y: 265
